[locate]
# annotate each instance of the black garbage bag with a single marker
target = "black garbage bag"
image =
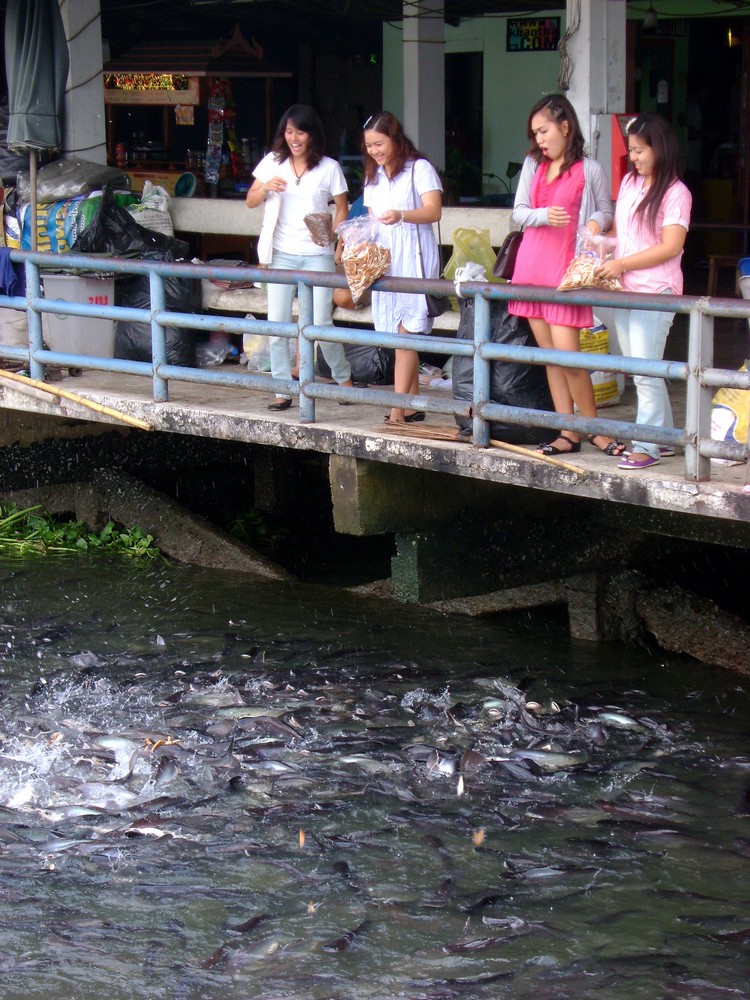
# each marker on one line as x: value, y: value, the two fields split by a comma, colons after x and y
x: 114, y: 231
x: 370, y: 365
x: 511, y: 383
x: 133, y: 340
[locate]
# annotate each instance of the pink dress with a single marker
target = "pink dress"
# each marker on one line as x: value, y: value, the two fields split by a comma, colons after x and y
x: 546, y: 251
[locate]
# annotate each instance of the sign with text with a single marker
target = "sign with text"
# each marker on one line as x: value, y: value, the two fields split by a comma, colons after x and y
x: 533, y: 34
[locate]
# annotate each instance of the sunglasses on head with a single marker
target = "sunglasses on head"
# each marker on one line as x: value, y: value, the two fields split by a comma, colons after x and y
x: 371, y: 121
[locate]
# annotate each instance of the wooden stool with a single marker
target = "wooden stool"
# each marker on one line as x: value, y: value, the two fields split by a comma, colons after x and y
x: 715, y: 261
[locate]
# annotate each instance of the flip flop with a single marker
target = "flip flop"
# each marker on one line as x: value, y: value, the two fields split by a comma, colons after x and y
x: 615, y: 449
x: 637, y: 460
x: 550, y: 449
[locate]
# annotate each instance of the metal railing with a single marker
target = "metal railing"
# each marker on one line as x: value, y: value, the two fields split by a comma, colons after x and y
x: 701, y: 378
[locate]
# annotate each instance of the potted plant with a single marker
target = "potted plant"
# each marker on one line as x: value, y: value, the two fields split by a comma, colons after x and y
x: 504, y: 199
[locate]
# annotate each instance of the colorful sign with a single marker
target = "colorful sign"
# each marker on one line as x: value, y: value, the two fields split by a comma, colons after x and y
x: 533, y: 34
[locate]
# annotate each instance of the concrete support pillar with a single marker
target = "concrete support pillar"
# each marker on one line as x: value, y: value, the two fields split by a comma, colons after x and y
x: 85, y: 130
x: 593, y: 67
x: 424, y: 77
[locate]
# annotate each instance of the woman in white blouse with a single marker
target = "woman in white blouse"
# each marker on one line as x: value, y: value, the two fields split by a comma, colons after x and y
x: 294, y: 180
x: 403, y: 191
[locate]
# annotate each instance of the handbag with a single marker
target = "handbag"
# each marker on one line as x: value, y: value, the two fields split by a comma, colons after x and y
x: 436, y: 304
x: 505, y: 261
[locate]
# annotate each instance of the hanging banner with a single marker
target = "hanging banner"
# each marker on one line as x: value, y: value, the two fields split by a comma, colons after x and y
x: 532, y: 34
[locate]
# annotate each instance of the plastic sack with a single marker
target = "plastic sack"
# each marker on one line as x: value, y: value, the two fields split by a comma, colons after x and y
x: 591, y: 251
x: 471, y: 246
x: 214, y: 351
x: 370, y: 365
x: 320, y: 227
x: 133, y: 339
x: 83, y: 211
x: 511, y: 383
x: 364, y: 259
x: 63, y: 179
x: 608, y: 386
x: 255, y: 351
x: 51, y: 222
x: 152, y: 211
x: 730, y: 415
x: 114, y: 231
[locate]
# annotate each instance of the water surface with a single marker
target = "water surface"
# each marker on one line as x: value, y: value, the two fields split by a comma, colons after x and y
x: 212, y: 787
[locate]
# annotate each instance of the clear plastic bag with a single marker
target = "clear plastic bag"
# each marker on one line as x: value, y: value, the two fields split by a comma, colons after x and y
x: 256, y: 353
x: 591, y: 251
x: 364, y: 259
x: 214, y: 351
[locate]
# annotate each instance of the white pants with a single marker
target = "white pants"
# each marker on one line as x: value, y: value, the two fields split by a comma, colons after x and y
x: 644, y: 335
x: 280, y: 298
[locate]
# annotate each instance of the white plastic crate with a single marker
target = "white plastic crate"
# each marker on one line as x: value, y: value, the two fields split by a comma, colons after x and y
x: 79, y: 334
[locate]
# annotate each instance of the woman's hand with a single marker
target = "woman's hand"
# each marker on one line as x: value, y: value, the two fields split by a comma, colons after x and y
x: 275, y: 184
x: 557, y: 216
x: 611, y: 268
x: 391, y: 217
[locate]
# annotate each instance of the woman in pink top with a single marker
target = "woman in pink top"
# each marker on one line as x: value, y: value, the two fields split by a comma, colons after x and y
x: 652, y: 217
x: 559, y: 190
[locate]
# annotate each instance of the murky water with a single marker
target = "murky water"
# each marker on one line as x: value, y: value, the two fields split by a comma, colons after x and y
x: 216, y: 788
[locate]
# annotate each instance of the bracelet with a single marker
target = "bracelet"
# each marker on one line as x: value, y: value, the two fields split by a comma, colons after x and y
x: 402, y: 218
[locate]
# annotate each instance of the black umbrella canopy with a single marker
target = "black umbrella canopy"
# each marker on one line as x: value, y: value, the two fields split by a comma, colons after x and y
x: 36, y: 65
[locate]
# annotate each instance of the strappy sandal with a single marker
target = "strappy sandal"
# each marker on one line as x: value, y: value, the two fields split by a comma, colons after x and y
x: 550, y: 449
x: 615, y: 449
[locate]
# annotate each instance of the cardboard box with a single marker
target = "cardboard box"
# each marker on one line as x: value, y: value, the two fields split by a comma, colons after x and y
x: 79, y: 334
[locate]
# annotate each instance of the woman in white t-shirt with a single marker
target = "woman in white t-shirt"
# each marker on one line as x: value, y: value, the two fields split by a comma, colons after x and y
x: 294, y: 180
x: 403, y: 191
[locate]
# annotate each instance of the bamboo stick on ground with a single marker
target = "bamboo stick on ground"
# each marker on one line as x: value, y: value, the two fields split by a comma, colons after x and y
x: 530, y: 452
x: 29, y: 390
x: 74, y: 397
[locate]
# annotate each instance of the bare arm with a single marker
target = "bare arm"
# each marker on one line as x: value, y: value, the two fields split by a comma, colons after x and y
x: 671, y: 243
x: 341, y: 205
x: 430, y: 211
x: 259, y: 189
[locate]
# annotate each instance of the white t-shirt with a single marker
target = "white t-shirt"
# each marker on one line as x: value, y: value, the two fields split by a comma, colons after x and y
x: 314, y: 191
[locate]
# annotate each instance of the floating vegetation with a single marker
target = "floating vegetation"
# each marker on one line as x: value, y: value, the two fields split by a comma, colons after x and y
x: 34, y: 531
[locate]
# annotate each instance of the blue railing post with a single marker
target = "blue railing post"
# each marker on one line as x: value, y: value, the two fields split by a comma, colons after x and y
x: 34, y: 317
x: 306, y: 353
x: 158, y: 336
x: 698, y: 396
x: 480, y: 427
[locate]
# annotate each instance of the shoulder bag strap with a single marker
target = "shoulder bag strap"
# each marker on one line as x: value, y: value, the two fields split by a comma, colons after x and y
x: 419, y: 243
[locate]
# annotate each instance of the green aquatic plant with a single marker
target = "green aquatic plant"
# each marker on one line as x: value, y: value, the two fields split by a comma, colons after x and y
x: 34, y: 531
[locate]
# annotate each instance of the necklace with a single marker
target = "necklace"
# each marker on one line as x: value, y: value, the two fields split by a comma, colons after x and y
x: 298, y: 176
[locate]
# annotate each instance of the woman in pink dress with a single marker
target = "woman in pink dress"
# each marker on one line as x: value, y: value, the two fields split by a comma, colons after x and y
x: 559, y: 190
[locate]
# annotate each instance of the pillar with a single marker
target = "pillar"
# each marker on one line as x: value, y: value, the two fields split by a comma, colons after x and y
x: 593, y: 68
x: 424, y: 78
x: 84, y: 133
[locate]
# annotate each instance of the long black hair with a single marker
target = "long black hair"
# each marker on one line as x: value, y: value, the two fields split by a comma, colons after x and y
x: 559, y: 110
x: 659, y: 135
x: 306, y: 119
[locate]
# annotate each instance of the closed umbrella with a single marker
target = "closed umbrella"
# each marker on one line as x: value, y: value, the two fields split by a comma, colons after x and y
x: 36, y: 65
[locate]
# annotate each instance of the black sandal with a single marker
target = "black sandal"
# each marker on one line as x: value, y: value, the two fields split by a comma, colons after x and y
x: 615, y: 449
x: 409, y: 418
x: 280, y: 404
x: 550, y: 449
